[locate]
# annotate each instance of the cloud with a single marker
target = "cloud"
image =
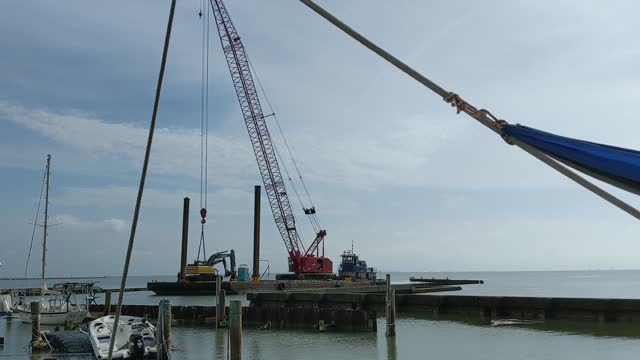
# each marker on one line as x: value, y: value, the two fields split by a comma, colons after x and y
x: 175, y: 151
x: 77, y: 224
x: 224, y: 201
x: 387, y: 162
x: 367, y: 160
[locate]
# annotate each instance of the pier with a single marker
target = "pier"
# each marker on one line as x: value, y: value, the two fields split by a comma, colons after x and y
x: 358, y: 311
x: 242, y: 287
x: 487, y: 307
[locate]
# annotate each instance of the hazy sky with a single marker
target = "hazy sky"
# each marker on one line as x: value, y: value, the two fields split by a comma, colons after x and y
x: 390, y: 166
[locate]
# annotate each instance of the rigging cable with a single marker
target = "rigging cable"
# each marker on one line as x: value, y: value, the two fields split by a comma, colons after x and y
x: 481, y: 115
x: 35, y: 224
x: 313, y: 219
x: 286, y: 171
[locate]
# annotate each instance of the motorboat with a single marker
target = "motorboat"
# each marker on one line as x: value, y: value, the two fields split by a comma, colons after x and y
x: 135, y: 337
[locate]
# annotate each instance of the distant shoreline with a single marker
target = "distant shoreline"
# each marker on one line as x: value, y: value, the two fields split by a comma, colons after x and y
x: 56, y: 278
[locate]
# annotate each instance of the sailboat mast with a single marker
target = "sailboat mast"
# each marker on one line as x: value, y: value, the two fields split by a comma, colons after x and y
x: 46, y: 218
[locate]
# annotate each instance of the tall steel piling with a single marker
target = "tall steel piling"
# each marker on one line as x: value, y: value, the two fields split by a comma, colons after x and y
x: 218, y: 290
x: 222, y: 322
x: 256, y: 235
x: 185, y: 238
x: 235, y: 330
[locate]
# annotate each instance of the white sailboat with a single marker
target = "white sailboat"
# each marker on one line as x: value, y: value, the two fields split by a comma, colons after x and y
x: 56, y: 308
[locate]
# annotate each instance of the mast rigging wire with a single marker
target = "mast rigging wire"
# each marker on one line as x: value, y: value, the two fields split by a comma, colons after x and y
x: 35, y: 224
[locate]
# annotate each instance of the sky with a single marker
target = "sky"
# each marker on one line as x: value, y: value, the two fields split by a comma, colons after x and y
x: 389, y: 165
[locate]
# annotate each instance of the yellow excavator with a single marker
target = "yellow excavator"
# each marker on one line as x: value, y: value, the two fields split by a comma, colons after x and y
x: 201, y: 270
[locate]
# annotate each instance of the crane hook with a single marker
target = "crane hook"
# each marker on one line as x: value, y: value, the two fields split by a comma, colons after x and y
x: 203, y: 214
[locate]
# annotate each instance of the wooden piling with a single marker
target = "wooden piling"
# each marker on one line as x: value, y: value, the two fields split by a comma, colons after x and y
x: 390, y: 308
x: 221, y: 304
x: 164, y: 333
x: 107, y: 303
x: 218, y: 291
x: 35, y: 321
x: 235, y: 330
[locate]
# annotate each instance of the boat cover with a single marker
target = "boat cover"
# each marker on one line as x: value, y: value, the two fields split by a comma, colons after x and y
x: 617, y: 166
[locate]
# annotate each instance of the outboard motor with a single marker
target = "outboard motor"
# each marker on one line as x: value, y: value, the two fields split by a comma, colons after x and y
x: 136, y: 346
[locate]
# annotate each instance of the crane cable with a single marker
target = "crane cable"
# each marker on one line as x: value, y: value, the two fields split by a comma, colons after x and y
x: 311, y: 212
x: 286, y: 171
x: 204, y: 123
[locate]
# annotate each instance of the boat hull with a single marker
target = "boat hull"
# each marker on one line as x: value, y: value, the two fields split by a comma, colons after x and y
x: 100, y: 336
x: 56, y: 318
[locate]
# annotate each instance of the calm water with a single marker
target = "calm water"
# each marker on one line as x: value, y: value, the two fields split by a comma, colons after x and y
x: 418, y: 335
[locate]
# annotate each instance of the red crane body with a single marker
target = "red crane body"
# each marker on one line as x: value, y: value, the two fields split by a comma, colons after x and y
x: 301, y: 261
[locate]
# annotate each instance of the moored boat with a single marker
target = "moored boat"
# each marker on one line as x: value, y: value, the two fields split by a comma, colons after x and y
x: 56, y: 306
x: 135, y: 338
x: 352, y: 268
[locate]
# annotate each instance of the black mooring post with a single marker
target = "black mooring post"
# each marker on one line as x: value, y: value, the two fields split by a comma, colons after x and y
x: 185, y: 238
x: 256, y: 235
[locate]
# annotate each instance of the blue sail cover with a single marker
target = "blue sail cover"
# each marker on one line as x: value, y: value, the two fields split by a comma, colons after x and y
x: 617, y: 166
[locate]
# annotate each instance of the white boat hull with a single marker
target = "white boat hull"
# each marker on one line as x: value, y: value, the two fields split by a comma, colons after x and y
x: 5, y: 304
x: 53, y: 313
x: 56, y: 318
x: 100, y: 336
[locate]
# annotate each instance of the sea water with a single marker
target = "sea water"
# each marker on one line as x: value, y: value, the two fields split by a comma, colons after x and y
x: 418, y: 335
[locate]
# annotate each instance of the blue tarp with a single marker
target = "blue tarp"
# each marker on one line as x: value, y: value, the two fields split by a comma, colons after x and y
x: 617, y: 166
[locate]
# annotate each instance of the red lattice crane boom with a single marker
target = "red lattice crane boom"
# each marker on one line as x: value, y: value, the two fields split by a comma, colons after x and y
x: 301, y: 261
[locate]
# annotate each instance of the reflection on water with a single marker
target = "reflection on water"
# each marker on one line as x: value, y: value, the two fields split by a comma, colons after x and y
x: 620, y: 329
x: 221, y: 344
x: 392, y: 352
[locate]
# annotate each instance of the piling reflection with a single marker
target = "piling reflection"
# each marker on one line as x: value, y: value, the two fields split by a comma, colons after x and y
x: 392, y: 350
x: 221, y: 344
x: 254, y: 349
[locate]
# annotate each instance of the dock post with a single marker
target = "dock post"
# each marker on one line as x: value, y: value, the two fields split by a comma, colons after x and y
x: 107, y: 303
x: 235, y: 330
x: 218, y: 288
x: 256, y: 235
x: 390, y: 308
x: 221, y: 304
x: 35, y: 321
x: 164, y: 333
